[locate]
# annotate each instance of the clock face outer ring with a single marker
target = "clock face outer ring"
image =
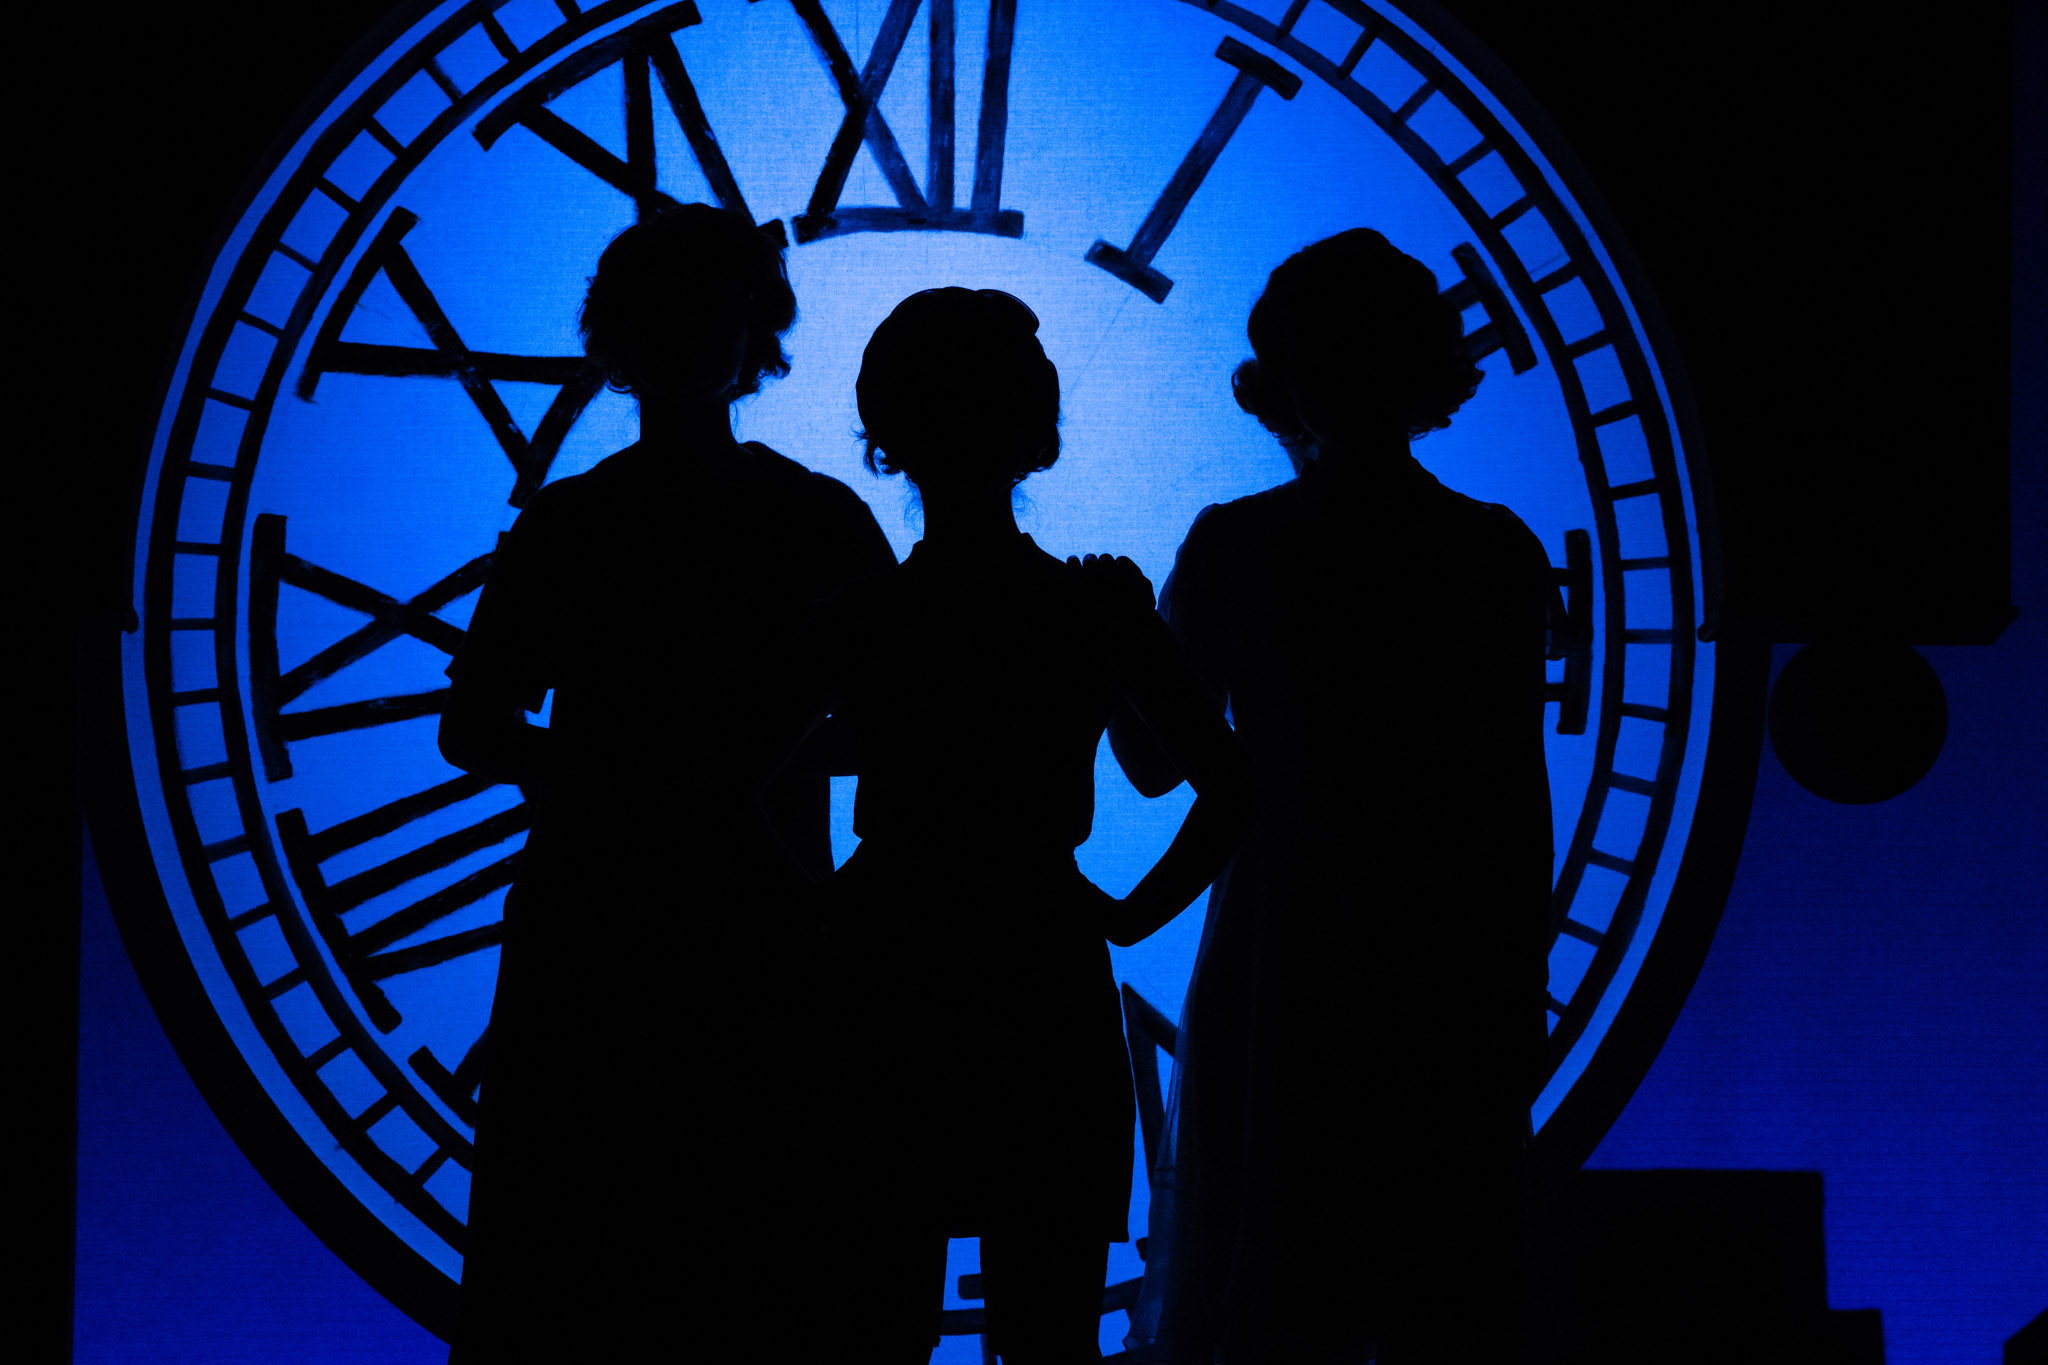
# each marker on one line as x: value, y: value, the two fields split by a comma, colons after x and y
x: 122, y: 853
x: 425, y: 1290
x: 1735, y: 714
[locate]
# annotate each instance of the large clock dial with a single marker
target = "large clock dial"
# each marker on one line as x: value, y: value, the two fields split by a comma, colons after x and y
x: 382, y: 369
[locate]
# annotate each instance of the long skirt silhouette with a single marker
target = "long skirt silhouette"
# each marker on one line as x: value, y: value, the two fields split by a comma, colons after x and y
x: 1361, y: 1035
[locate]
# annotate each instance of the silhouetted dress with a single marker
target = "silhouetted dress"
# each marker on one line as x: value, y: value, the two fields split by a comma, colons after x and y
x: 626, y: 1147
x: 1361, y: 1036
x: 983, y: 1028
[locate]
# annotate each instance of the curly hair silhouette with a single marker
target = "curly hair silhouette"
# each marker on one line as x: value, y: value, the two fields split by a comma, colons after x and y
x: 679, y: 293
x: 959, y: 374
x: 1350, y: 322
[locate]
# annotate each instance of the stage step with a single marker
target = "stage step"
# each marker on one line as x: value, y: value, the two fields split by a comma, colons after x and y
x: 1683, y: 1266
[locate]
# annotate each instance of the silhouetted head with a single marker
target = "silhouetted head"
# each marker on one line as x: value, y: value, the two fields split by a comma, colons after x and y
x: 1351, y: 337
x: 691, y: 301
x: 954, y: 384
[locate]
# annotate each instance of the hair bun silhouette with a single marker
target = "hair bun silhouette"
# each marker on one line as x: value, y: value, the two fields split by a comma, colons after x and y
x: 670, y: 291
x: 957, y: 376
x: 1354, y: 317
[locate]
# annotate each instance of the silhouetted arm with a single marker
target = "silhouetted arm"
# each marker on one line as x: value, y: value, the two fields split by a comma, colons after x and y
x: 840, y: 545
x: 1130, y: 739
x: 1181, y: 719
x: 484, y: 730
x: 1137, y: 749
x: 860, y: 551
x: 790, y: 737
x: 1139, y: 755
x: 793, y: 715
x: 1185, y: 602
x: 496, y: 677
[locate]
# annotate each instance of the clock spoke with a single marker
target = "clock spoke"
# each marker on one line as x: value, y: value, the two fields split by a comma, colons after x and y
x: 357, y: 715
x: 1571, y: 928
x: 1609, y: 861
x: 381, y: 966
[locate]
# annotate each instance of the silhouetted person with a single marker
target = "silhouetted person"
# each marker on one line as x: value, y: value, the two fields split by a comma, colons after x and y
x: 1365, y: 1027
x: 985, y: 1089
x: 630, y: 1158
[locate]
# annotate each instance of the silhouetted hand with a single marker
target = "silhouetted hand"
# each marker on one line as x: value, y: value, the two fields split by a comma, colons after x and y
x: 1123, y: 578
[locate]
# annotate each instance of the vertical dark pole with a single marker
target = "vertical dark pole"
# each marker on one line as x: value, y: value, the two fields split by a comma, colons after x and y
x: 640, y: 133
x: 995, y: 107
x: 938, y: 184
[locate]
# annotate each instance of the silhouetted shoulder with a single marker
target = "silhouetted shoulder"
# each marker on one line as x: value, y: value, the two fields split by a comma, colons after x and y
x: 775, y: 464
x: 568, y: 521
x: 1516, y: 537
x: 1495, y: 530
x: 1240, y: 531
x: 796, y: 485
x: 510, y: 639
x: 555, y: 501
x: 1252, y: 514
x: 832, y: 510
x: 574, y: 499
x: 774, y: 467
x: 639, y: 468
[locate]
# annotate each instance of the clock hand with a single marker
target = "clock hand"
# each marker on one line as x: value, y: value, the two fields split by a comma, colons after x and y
x: 1133, y: 264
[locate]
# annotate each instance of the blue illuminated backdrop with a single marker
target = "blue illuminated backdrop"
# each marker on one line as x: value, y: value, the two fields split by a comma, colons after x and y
x: 383, y: 368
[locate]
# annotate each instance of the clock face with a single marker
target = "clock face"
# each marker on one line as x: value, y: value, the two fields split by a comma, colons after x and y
x: 383, y: 367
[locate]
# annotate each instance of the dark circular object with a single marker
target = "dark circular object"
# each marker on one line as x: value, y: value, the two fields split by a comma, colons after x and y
x: 1858, y: 722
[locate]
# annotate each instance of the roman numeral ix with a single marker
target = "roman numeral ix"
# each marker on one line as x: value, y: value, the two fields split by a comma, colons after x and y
x: 271, y: 688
